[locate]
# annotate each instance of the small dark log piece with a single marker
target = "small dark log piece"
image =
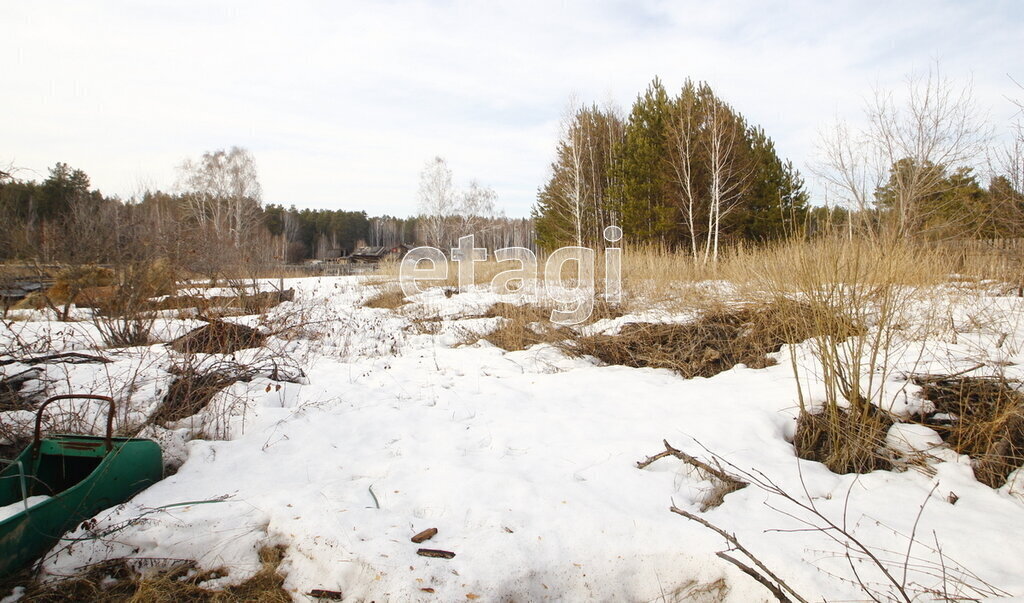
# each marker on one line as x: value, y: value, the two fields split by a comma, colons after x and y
x: 437, y: 553
x: 424, y: 535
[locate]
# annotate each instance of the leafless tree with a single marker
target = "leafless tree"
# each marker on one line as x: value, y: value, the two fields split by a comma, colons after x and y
x: 223, y: 191
x: 222, y: 196
x: 937, y: 128
x: 728, y: 173
x: 437, y: 198
x: 932, y: 126
x: 684, y: 145
x: 475, y: 209
x: 851, y: 167
x: 447, y: 213
x: 96, y: 230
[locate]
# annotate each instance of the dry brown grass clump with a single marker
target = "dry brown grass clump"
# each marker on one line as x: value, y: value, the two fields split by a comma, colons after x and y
x: 522, y: 326
x: 524, y: 312
x: 843, y: 441
x: 513, y: 335
x: 388, y: 298
x: 985, y: 421
x: 719, y: 340
x: 218, y: 337
x: 189, y: 393
x: 106, y: 290
x: 117, y: 582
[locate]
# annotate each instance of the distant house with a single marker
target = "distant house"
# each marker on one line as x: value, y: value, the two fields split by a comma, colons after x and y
x: 373, y: 255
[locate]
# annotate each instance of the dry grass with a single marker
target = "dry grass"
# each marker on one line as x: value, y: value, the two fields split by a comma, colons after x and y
x: 189, y: 393
x: 717, y: 341
x: 700, y: 592
x: 522, y: 326
x: 843, y: 441
x: 986, y: 422
x: 484, y: 272
x: 389, y: 298
x: 652, y: 273
x: 247, y: 303
x: 218, y: 337
x: 116, y: 582
x: 887, y: 286
x: 72, y: 281
x: 525, y: 325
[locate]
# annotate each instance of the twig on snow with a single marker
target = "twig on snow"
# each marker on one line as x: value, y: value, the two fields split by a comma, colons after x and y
x: 731, y: 539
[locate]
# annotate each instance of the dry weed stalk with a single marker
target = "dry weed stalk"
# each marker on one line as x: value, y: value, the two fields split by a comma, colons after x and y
x: 884, y: 287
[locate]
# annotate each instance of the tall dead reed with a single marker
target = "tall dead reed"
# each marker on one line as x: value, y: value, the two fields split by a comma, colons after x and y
x: 886, y: 286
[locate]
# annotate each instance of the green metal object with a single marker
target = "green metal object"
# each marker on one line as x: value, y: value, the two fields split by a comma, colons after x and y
x: 81, y: 474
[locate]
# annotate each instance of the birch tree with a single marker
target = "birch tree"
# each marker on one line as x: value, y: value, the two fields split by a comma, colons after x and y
x: 728, y: 173
x: 436, y: 202
x: 685, y: 143
x: 475, y: 209
x: 567, y: 193
x: 222, y: 191
x: 574, y: 206
x: 222, y: 196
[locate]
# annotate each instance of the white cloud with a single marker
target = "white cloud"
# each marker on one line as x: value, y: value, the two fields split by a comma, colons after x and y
x: 343, y: 103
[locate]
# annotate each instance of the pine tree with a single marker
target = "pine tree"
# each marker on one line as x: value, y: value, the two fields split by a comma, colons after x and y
x: 643, y: 177
x: 775, y: 204
x: 686, y: 172
x: 573, y: 207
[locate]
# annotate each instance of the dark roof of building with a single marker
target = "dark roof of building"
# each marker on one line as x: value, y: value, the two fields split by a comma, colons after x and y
x: 377, y: 252
x: 20, y: 289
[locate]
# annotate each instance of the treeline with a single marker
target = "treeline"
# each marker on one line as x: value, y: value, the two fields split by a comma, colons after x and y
x: 951, y: 203
x: 214, y: 223
x: 925, y: 164
x: 315, y: 233
x: 688, y: 172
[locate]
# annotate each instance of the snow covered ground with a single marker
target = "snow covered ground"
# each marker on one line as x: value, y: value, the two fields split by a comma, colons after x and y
x: 525, y: 462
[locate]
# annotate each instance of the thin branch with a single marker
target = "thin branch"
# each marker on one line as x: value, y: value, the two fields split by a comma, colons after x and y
x: 731, y: 539
x: 679, y: 454
x: 746, y: 569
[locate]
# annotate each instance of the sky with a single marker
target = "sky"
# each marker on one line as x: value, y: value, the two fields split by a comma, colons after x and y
x: 343, y: 103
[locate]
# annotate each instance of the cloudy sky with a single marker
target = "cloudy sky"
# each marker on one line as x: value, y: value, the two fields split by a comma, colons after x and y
x: 342, y: 103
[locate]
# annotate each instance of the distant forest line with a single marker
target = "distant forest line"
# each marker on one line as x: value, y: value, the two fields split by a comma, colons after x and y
x: 686, y: 172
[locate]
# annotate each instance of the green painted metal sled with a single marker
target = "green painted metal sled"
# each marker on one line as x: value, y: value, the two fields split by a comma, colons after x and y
x: 81, y: 475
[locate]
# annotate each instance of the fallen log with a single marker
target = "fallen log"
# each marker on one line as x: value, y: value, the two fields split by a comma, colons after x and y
x: 436, y: 553
x: 70, y: 357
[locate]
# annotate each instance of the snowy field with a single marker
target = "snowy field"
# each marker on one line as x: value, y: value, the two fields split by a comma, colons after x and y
x: 379, y: 424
